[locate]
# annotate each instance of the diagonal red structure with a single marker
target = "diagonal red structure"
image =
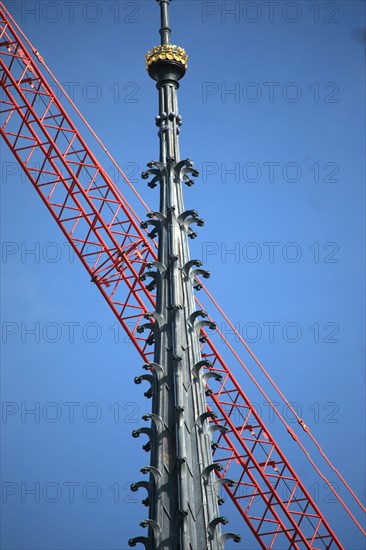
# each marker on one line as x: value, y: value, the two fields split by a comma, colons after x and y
x: 106, y: 235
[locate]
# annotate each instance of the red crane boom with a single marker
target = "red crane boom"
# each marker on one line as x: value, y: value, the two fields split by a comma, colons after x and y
x: 105, y: 233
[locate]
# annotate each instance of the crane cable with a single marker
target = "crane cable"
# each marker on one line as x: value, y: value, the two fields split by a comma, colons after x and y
x: 287, y: 403
x: 99, y: 141
x: 96, y: 137
x: 293, y: 435
x: 242, y: 341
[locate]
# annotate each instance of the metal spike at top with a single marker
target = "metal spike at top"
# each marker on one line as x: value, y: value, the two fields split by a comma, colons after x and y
x: 165, y: 30
x: 167, y: 61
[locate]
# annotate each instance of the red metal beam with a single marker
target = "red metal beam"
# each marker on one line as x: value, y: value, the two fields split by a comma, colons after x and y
x: 91, y: 213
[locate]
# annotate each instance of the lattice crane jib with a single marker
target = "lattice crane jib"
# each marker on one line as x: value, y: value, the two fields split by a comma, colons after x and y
x: 151, y: 292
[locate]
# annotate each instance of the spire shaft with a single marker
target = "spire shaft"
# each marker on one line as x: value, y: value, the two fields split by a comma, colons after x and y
x: 183, y: 500
x: 165, y: 30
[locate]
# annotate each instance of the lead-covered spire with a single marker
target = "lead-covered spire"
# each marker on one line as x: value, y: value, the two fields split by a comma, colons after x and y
x: 182, y: 491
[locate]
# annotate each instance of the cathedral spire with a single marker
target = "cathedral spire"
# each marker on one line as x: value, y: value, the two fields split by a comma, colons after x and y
x: 182, y: 490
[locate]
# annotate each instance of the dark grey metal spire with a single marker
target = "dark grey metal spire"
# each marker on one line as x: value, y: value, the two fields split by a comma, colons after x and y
x: 182, y: 496
x: 165, y: 30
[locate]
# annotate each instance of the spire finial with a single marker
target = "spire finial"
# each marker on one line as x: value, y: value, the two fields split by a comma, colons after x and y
x: 165, y: 30
x: 166, y: 62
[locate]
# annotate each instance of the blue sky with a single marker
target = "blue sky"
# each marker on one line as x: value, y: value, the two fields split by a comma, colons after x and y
x: 273, y: 117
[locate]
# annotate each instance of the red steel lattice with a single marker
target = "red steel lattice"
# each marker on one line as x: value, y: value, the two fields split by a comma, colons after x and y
x: 105, y: 233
